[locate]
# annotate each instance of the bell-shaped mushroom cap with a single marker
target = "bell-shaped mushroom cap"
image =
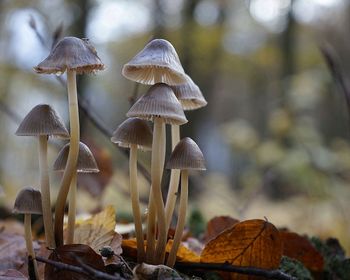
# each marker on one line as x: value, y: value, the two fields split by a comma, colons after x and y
x: 186, y: 155
x: 28, y: 201
x: 189, y: 95
x: 133, y: 131
x: 158, y: 62
x: 71, y: 53
x: 86, y: 161
x: 159, y: 101
x: 42, y: 120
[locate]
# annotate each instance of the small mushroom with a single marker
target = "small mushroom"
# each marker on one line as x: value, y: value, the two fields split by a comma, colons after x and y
x: 75, y: 56
x: 160, y: 105
x: 191, y: 98
x: 134, y: 133
x: 42, y: 121
x: 157, y: 62
x: 186, y: 156
x: 86, y: 164
x: 28, y: 202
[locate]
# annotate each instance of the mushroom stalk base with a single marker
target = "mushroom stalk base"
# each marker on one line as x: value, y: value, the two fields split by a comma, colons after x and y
x: 174, y: 179
x: 29, y: 242
x: 158, y: 154
x: 72, y: 156
x: 45, y: 192
x: 181, y: 219
x: 134, y: 192
x: 72, y: 209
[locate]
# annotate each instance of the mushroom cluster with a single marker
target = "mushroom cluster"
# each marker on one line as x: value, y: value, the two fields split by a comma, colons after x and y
x: 172, y: 91
x: 73, y: 56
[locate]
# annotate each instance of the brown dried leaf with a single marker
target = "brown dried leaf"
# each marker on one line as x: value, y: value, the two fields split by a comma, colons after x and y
x: 301, y: 249
x: 98, y: 231
x: 254, y: 243
x: 68, y: 254
x: 217, y: 225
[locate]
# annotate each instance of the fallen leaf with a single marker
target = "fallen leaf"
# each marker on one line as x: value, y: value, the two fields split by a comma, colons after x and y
x: 98, y: 231
x: 300, y: 248
x: 254, y: 243
x: 12, y: 274
x: 217, y: 225
x: 68, y: 254
x: 183, y: 254
x: 161, y: 272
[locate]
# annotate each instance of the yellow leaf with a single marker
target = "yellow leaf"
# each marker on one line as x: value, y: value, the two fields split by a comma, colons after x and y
x: 183, y: 254
x: 98, y: 231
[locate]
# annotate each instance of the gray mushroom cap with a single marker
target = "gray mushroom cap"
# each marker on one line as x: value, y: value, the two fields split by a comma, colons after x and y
x: 133, y: 131
x: 28, y: 201
x: 42, y: 120
x: 157, y: 62
x: 159, y: 101
x: 189, y: 95
x: 86, y: 162
x: 73, y: 54
x: 186, y: 155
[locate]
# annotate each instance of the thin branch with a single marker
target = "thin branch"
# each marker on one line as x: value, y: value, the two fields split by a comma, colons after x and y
x: 334, y: 67
x: 85, y: 269
x: 9, y: 112
x: 226, y: 267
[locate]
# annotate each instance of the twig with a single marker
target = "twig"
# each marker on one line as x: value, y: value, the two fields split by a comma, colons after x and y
x: 226, y: 267
x: 333, y: 64
x: 8, y: 111
x: 97, y: 273
x: 85, y: 269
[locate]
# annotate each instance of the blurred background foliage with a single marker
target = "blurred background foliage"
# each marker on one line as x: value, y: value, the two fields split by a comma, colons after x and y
x: 275, y: 132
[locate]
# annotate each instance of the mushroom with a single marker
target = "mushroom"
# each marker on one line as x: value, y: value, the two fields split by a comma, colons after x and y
x: 134, y: 133
x: 76, y: 56
x: 86, y: 164
x: 157, y: 62
x: 186, y: 156
x: 191, y: 98
x: 28, y: 202
x: 42, y: 121
x: 159, y: 105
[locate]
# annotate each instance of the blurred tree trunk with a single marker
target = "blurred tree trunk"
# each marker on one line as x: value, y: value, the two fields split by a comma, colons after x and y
x: 159, y: 20
x: 288, y: 44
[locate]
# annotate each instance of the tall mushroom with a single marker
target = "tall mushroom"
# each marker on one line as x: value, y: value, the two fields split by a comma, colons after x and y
x: 191, y: 98
x: 76, y: 56
x: 134, y: 133
x: 86, y: 164
x: 159, y: 105
x: 42, y: 121
x: 157, y: 62
x: 186, y: 156
x: 28, y: 202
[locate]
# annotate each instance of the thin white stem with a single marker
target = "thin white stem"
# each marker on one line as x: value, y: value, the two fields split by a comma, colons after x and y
x: 72, y: 209
x: 174, y: 179
x: 72, y: 156
x: 158, y: 158
x: 45, y: 192
x: 134, y: 192
x: 29, y: 242
x: 151, y: 228
x: 181, y: 219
